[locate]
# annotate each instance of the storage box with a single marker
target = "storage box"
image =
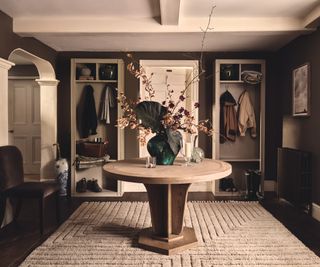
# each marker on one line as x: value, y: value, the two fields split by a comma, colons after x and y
x: 92, y: 149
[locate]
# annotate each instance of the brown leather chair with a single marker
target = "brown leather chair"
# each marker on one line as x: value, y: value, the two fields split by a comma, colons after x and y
x: 12, y: 183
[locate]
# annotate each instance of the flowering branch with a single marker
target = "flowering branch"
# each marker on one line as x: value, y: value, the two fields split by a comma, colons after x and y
x: 196, y: 78
x: 205, y: 31
x: 141, y: 73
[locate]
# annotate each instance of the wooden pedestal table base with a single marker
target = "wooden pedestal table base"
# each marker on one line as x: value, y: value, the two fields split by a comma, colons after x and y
x: 167, y: 188
x: 167, y: 205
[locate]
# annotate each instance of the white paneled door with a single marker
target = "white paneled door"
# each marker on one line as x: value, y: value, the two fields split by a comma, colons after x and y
x: 24, y: 122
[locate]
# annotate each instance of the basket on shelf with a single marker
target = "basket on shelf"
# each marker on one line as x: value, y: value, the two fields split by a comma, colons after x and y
x: 92, y: 149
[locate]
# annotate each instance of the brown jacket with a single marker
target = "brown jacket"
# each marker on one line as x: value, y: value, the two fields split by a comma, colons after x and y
x: 228, y: 118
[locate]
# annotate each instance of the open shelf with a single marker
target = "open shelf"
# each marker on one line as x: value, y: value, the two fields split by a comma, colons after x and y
x: 96, y: 81
x: 220, y: 193
x: 235, y: 81
x: 103, y: 193
x: 101, y: 74
x: 246, y: 152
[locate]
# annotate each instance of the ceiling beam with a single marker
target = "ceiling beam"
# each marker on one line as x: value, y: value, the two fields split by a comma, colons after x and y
x: 30, y: 26
x: 312, y: 20
x: 170, y: 12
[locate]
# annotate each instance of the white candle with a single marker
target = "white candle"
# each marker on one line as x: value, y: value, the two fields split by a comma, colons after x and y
x: 188, y: 149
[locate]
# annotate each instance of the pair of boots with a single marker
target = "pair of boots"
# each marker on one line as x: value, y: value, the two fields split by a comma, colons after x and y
x: 226, y: 184
x: 83, y: 185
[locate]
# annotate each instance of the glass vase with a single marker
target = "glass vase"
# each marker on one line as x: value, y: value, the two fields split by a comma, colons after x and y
x: 159, y: 147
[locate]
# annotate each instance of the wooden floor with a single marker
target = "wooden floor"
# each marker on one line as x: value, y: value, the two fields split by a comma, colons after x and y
x: 17, y: 241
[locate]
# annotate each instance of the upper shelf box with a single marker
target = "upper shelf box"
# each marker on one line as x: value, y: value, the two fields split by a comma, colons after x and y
x: 229, y: 72
x: 86, y: 71
x: 96, y: 72
x: 108, y: 72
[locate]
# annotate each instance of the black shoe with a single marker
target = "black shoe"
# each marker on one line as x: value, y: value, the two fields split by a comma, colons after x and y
x: 93, y: 186
x: 223, y: 184
x: 81, y: 186
x: 230, y: 187
x: 89, y: 185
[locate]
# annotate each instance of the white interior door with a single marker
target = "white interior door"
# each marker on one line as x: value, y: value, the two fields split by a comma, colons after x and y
x: 177, y: 78
x: 24, y: 122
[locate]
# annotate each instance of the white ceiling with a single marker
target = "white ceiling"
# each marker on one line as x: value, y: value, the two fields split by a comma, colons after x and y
x: 162, y: 25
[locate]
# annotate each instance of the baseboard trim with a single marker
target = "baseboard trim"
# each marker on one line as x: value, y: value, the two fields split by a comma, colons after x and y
x: 270, y: 185
x: 316, y: 211
x: 28, y: 179
x: 47, y: 180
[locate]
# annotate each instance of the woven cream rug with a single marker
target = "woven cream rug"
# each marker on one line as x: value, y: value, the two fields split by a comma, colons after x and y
x: 229, y: 234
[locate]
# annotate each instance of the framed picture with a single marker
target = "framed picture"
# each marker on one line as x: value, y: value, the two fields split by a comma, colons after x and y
x: 301, y: 90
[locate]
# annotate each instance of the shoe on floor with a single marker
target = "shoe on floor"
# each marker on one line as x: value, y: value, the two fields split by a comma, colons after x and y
x: 227, y: 185
x: 223, y: 184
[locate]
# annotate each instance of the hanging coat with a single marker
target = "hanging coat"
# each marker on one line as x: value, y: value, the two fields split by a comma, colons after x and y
x: 107, y: 101
x: 246, y: 117
x: 228, y: 118
x: 87, y: 115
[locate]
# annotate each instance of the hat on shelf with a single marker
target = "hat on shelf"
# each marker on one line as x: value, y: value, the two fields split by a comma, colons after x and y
x: 251, y: 77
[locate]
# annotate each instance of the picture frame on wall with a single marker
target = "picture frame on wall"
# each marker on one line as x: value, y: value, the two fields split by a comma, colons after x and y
x: 301, y: 90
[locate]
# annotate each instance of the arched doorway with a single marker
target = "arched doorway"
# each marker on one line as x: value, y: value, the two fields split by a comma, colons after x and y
x: 48, y: 108
x: 48, y: 113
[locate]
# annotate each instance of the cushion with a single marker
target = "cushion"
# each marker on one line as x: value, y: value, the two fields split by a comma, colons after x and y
x: 32, y: 190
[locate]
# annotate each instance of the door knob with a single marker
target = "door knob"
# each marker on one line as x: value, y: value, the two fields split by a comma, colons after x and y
x: 11, y: 131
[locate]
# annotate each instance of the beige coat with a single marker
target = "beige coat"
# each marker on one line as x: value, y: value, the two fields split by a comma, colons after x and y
x: 246, y: 117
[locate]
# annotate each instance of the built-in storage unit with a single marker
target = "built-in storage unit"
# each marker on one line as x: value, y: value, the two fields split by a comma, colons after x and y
x: 294, y: 177
x: 97, y: 78
x: 245, y: 152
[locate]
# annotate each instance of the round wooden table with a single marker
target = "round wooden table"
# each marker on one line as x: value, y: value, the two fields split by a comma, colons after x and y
x: 167, y: 188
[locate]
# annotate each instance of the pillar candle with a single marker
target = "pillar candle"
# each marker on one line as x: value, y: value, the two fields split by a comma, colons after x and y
x: 188, y: 150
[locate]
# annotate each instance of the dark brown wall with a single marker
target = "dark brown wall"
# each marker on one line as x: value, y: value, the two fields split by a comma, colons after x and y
x: 302, y: 133
x: 24, y: 70
x: 132, y: 89
x: 10, y: 41
x: 273, y: 126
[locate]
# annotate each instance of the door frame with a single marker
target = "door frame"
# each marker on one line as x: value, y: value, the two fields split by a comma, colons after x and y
x: 48, y: 110
x: 186, y: 64
x: 194, y: 65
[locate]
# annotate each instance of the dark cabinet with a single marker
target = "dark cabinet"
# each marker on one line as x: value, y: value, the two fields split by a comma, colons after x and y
x: 294, y: 177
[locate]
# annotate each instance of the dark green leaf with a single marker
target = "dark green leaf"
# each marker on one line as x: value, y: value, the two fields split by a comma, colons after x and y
x: 150, y: 113
x: 174, y: 140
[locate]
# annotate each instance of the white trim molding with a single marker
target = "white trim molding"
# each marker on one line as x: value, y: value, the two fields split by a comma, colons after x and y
x: 48, y: 111
x: 53, y: 82
x: 35, y: 26
x: 48, y: 108
x: 316, y: 211
x: 5, y: 65
x: 23, y: 77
